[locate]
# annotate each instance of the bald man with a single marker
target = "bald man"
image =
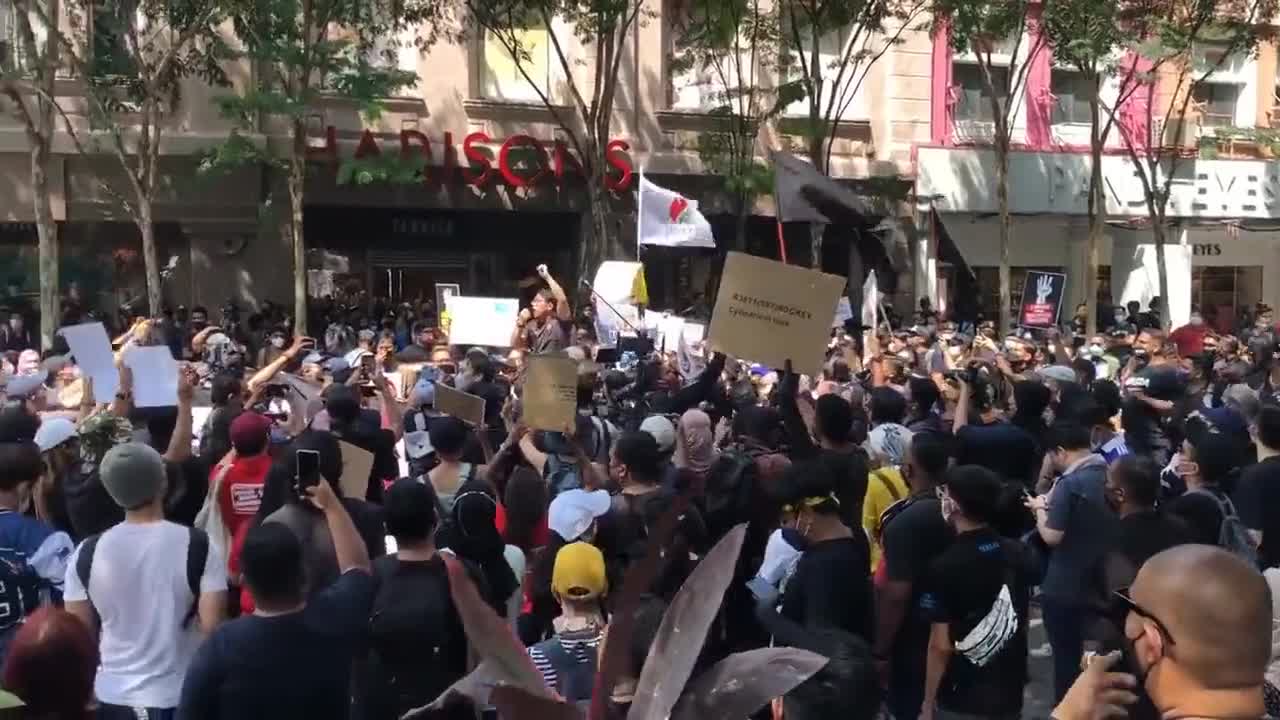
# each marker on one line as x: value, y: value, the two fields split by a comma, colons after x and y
x: 1200, y: 630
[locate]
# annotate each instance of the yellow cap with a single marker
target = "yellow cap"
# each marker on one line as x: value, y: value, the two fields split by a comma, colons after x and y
x: 579, y: 572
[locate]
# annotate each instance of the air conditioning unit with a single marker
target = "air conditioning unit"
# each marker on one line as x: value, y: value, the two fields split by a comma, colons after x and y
x: 1174, y: 134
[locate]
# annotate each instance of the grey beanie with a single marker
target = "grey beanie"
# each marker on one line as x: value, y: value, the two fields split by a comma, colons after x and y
x: 133, y: 474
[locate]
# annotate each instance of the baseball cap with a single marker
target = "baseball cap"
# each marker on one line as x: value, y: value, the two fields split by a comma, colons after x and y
x: 573, y: 511
x: 249, y: 430
x: 53, y: 432
x: 1057, y: 373
x: 578, y: 573
x: 133, y: 474
x: 662, y: 430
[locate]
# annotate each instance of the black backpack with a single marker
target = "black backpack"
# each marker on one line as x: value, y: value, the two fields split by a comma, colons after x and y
x: 20, y: 587
x: 197, y: 554
x: 730, y: 487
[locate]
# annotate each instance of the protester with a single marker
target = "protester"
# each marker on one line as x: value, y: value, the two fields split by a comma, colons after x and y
x: 150, y: 587
x: 50, y: 666
x: 417, y: 644
x: 1132, y: 490
x: 977, y: 594
x: 914, y: 533
x: 1074, y: 520
x: 292, y: 657
x: 567, y: 660
x: 1258, y: 494
x: 547, y: 324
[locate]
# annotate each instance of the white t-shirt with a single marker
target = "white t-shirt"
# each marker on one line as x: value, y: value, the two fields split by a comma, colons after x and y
x: 139, y: 588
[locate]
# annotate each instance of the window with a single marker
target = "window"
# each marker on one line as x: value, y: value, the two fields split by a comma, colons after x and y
x: 1073, y: 91
x: 831, y: 53
x: 1217, y: 103
x: 972, y: 101
x: 502, y: 78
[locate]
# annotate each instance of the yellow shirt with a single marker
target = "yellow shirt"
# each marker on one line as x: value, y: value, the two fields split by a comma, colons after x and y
x: 884, y: 488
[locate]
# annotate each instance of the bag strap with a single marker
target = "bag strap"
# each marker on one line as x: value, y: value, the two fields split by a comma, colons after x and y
x: 893, y: 491
x: 197, y: 556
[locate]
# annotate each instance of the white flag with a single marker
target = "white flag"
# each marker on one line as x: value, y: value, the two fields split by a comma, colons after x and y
x: 870, y: 300
x: 665, y: 217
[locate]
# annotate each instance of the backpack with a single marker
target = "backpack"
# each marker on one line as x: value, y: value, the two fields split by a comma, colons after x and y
x: 1233, y: 536
x: 730, y: 487
x: 575, y: 672
x: 197, y: 554
x: 20, y: 587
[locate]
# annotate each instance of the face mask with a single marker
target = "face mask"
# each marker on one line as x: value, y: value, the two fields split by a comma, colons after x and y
x: 948, y: 508
x: 904, y: 355
x: 1144, y: 708
x: 1096, y: 350
x: 1120, y: 317
x: 277, y: 342
x: 1197, y: 320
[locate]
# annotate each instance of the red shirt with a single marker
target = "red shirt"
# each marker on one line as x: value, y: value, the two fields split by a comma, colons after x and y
x: 241, y: 491
x: 1189, y: 339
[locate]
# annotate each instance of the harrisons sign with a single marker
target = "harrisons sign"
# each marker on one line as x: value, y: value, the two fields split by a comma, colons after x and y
x: 550, y: 162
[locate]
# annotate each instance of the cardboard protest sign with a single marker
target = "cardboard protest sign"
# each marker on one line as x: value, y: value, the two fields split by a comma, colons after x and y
x: 550, y: 395
x: 357, y: 463
x: 1042, y: 295
x: 768, y: 311
x: 482, y: 320
x: 464, y: 406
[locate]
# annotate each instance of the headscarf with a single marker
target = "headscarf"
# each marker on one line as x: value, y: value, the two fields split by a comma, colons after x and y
x: 473, y: 536
x: 695, y: 442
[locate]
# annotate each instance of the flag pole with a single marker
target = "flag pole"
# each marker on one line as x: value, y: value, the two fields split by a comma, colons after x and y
x: 607, y: 304
x: 782, y: 245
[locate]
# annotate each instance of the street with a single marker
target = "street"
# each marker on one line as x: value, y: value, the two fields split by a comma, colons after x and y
x: 1039, y: 692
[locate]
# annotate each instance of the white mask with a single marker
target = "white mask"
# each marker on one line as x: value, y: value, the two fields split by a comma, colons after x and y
x: 1197, y: 320
x: 948, y: 508
x: 1095, y: 350
x: 277, y: 342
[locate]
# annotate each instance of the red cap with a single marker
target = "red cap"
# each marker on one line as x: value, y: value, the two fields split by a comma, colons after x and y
x: 249, y: 430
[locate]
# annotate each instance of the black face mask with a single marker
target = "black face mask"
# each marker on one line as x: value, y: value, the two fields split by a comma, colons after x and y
x: 1144, y: 708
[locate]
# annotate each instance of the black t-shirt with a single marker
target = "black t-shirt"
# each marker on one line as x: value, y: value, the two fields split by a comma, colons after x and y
x: 288, y: 666
x: 831, y: 587
x: 188, y: 485
x: 912, y: 539
x: 89, y: 506
x: 417, y: 645
x: 963, y: 585
x: 1138, y: 537
x: 1258, y: 502
x: 1004, y: 448
x: 367, y: 434
x: 1201, y: 513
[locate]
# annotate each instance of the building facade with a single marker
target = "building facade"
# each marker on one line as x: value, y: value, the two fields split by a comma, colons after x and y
x: 221, y: 237
x: 1223, y: 250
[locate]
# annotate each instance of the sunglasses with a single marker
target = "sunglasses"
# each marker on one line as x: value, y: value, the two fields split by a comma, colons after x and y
x: 1122, y: 604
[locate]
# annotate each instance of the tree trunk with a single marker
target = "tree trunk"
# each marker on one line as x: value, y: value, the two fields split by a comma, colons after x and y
x: 1097, y: 209
x: 740, y: 225
x: 1006, y: 231
x: 1162, y: 272
x: 596, y: 246
x: 47, y: 234
x: 297, y: 183
x: 150, y: 260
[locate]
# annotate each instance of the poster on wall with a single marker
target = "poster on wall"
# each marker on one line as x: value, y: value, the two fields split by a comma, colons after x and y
x: 1042, y: 295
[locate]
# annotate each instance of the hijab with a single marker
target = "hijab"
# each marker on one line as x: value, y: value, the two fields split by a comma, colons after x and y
x: 695, y: 442
x: 473, y: 536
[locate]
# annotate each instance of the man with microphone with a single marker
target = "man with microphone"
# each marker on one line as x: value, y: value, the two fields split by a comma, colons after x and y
x: 547, y: 324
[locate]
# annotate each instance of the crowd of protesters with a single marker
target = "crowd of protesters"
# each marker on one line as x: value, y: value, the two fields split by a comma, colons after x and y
x: 905, y: 509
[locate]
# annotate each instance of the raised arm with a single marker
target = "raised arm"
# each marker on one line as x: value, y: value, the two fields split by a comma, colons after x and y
x: 563, y: 311
x: 348, y: 546
x: 300, y: 345
x: 180, y: 442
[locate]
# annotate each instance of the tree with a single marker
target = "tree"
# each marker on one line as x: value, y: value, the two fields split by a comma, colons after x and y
x: 27, y: 84
x: 132, y: 57
x: 301, y: 49
x: 981, y: 27
x: 603, y: 29
x: 864, y: 30
x: 733, y: 45
x: 1172, y: 33
x: 1089, y: 36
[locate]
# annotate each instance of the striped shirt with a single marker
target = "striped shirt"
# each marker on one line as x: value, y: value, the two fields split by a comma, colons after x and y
x: 579, y: 644
x: 1113, y: 449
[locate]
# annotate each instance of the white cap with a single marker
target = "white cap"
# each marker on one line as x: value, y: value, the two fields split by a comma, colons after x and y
x: 779, y: 556
x: 662, y: 430
x: 53, y: 432
x: 573, y: 511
